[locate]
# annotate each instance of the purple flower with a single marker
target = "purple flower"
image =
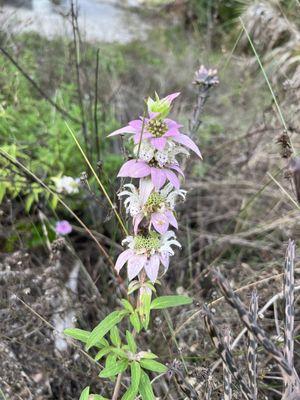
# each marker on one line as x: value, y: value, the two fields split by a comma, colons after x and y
x: 157, y: 130
x: 63, y: 228
x: 147, y: 252
x: 159, y: 175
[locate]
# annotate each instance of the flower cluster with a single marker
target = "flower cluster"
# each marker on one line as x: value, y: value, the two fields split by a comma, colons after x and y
x: 157, y: 142
x: 67, y: 184
x: 206, y: 77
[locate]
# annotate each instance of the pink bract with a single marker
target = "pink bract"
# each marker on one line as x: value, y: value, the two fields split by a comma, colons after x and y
x: 159, y: 176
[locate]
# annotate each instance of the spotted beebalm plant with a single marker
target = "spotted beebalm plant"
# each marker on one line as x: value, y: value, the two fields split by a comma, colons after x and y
x: 150, y: 200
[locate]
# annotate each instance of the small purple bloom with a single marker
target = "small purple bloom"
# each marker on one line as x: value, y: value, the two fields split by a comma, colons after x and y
x: 63, y: 228
x: 206, y: 77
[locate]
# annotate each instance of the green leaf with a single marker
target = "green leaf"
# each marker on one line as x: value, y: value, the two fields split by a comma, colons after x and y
x: 83, y: 336
x: 115, y: 336
x: 170, y: 301
x: 135, y: 370
x: 119, y: 352
x: 145, y: 309
x: 85, y: 394
x: 97, y: 397
x: 132, y: 391
x: 110, y: 360
x: 135, y: 321
x: 53, y: 202
x: 145, y: 387
x: 78, y: 334
x: 131, y: 342
x: 148, y: 355
x: 133, y: 286
x: 127, y: 305
x: 117, y: 368
x: 102, y: 353
x: 29, y: 201
x: 2, y: 191
x: 154, y: 366
x: 105, y: 326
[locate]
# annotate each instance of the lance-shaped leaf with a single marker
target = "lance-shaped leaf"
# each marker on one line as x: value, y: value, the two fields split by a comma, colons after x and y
x: 105, y: 326
x: 154, y: 366
x: 135, y: 376
x: 225, y: 353
x: 131, y: 342
x: 114, y: 369
x: 83, y: 336
x: 85, y: 393
x: 145, y: 387
x: 170, y: 301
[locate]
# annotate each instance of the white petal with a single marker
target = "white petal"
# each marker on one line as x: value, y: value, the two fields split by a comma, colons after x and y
x: 135, y: 265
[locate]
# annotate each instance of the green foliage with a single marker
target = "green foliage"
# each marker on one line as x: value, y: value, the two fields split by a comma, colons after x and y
x: 169, y: 301
x: 131, y: 342
x: 105, y: 326
x: 85, y: 393
x: 153, y: 365
x: 135, y: 375
x: 114, y: 368
x: 145, y: 387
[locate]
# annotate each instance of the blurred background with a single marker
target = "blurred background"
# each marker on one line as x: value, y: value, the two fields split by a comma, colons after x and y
x: 92, y: 64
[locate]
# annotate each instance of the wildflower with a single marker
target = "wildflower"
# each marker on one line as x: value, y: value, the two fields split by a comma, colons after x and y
x: 67, y: 184
x: 158, y: 206
x: 157, y: 131
x: 147, y: 153
x: 159, y: 175
x: 63, y: 228
x: 206, y: 77
x: 147, y: 252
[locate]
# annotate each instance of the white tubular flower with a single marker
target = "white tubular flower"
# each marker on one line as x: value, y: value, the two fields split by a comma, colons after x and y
x: 67, y: 184
x: 147, y: 153
x: 148, y: 252
x: 158, y: 206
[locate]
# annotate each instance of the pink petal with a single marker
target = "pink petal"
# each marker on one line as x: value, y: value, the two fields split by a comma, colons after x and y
x: 136, y: 221
x: 123, y: 258
x: 158, y: 177
x: 126, y: 129
x: 139, y: 136
x: 160, y: 222
x: 172, y: 124
x: 176, y: 168
x: 171, y: 97
x: 172, y: 178
x: 152, y: 267
x: 186, y: 141
x: 158, y: 143
x: 136, y: 124
x: 134, y: 169
x: 165, y: 259
x: 172, y: 132
x: 171, y: 218
x: 135, y: 265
